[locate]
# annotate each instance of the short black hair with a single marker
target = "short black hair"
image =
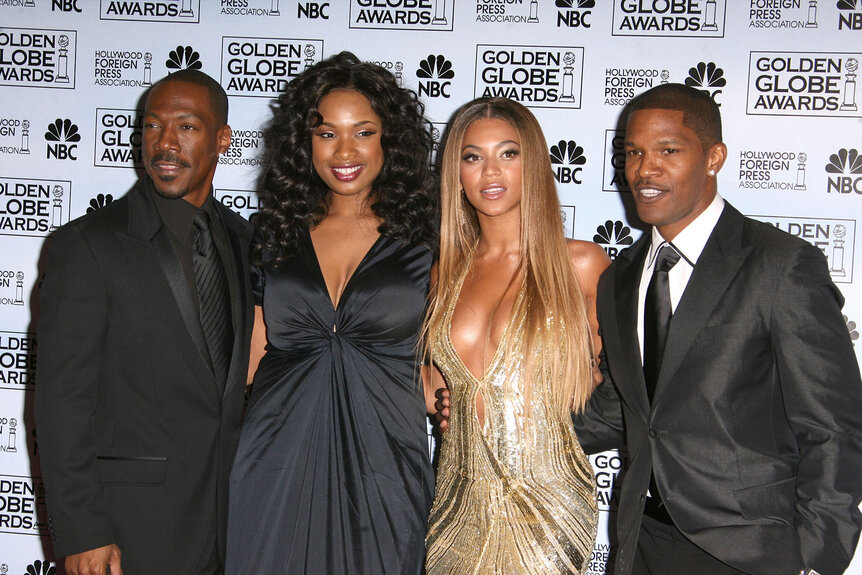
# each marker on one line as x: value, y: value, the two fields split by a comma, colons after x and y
x: 700, y: 112
x: 218, y: 97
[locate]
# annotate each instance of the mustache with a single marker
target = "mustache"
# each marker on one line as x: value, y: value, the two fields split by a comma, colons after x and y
x: 170, y: 158
x: 642, y: 183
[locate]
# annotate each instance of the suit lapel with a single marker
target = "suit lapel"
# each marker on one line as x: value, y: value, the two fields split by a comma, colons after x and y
x: 629, y: 266
x: 146, y: 224
x: 720, y: 261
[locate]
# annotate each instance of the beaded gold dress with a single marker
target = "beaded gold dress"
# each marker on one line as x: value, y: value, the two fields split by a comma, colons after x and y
x: 510, y: 499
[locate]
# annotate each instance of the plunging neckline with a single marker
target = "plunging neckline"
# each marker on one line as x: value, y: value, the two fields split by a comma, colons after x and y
x: 336, y: 305
x: 499, y: 349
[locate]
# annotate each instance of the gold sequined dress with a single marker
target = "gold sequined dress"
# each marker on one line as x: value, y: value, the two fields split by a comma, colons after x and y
x: 508, y: 500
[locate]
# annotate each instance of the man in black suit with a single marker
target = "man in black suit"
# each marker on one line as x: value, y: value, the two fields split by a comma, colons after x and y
x: 144, y: 332
x: 744, y: 434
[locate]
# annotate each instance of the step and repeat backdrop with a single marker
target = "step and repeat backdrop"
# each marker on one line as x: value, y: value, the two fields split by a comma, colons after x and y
x: 72, y: 73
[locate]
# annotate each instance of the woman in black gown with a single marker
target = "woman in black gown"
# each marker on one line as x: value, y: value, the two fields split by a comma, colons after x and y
x: 332, y: 474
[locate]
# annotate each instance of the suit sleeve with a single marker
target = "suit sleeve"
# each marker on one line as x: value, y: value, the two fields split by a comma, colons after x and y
x: 600, y: 426
x: 820, y: 383
x: 71, y: 335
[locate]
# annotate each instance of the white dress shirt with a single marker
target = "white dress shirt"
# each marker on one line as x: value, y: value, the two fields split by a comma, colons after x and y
x: 689, y: 244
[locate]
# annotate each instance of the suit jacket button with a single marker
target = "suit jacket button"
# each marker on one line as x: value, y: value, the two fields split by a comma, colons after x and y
x: 653, y: 433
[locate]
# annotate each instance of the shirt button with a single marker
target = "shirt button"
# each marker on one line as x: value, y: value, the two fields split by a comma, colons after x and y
x: 653, y: 433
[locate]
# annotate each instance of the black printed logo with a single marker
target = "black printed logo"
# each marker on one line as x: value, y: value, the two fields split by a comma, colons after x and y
x: 184, y: 57
x: 708, y: 77
x: 612, y: 235
x: 100, y: 201
x: 435, y: 73
x: 62, y: 137
x: 567, y: 158
x: 845, y: 162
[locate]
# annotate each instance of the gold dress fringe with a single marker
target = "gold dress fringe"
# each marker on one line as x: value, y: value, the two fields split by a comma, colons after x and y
x: 509, y: 500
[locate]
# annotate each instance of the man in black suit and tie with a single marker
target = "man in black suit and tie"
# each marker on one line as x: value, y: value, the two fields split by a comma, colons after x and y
x: 729, y: 371
x: 143, y: 334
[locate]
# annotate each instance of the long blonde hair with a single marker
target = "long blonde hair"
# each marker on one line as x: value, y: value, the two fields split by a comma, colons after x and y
x: 556, y: 313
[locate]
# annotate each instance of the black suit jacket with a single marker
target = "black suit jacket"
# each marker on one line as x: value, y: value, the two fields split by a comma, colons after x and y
x: 755, y: 431
x: 136, y: 437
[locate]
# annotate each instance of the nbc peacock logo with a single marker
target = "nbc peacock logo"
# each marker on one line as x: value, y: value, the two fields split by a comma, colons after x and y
x: 845, y: 169
x: 435, y: 74
x: 613, y: 236
x: 849, y: 14
x: 184, y: 58
x: 99, y: 202
x: 39, y: 567
x: 567, y: 159
x: 707, y: 77
x: 574, y: 13
x: 62, y: 139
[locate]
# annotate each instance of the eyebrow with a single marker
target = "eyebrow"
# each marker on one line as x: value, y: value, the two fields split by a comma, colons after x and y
x: 181, y: 116
x: 356, y: 125
x: 662, y: 142
x: 499, y: 145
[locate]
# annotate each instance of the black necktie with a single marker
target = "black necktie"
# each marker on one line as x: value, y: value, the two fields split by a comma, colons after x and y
x: 213, y: 297
x: 657, y: 313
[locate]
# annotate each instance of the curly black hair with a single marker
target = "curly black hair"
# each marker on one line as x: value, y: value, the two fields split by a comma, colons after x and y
x: 294, y: 198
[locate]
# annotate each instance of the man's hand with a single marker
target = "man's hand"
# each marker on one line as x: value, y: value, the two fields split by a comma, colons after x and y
x: 95, y: 562
x: 442, y: 406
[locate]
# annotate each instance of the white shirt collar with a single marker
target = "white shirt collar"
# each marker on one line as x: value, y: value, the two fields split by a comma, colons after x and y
x: 691, y: 240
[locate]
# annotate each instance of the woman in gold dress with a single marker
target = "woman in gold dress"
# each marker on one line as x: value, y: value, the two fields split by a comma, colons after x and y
x: 511, y: 332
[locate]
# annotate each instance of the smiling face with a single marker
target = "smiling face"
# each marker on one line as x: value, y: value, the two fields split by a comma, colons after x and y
x: 668, y: 170
x: 490, y: 167
x: 345, y: 147
x: 182, y: 140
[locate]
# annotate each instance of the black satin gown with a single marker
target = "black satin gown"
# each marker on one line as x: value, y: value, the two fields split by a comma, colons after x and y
x: 332, y: 475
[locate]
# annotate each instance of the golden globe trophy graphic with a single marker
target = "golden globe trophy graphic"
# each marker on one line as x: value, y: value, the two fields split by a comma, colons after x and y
x: 800, y: 172
x: 837, y: 268
x: 709, y: 24
x: 309, y: 55
x: 439, y: 13
x: 568, y: 78
x: 19, y: 289
x: 148, y: 69
x: 849, y: 103
x: 57, y: 215
x: 63, y: 61
x: 665, y: 76
x: 273, y: 8
x: 399, y: 72
x: 186, y: 9
x: 534, y: 12
x: 812, y: 14
x: 25, y: 137
x: 13, y: 437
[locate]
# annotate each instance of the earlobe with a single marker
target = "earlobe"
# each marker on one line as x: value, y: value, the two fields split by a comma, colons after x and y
x: 224, y: 139
x: 717, y: 156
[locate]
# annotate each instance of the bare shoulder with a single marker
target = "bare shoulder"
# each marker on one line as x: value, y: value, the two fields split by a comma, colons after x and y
x: 588, y: 258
